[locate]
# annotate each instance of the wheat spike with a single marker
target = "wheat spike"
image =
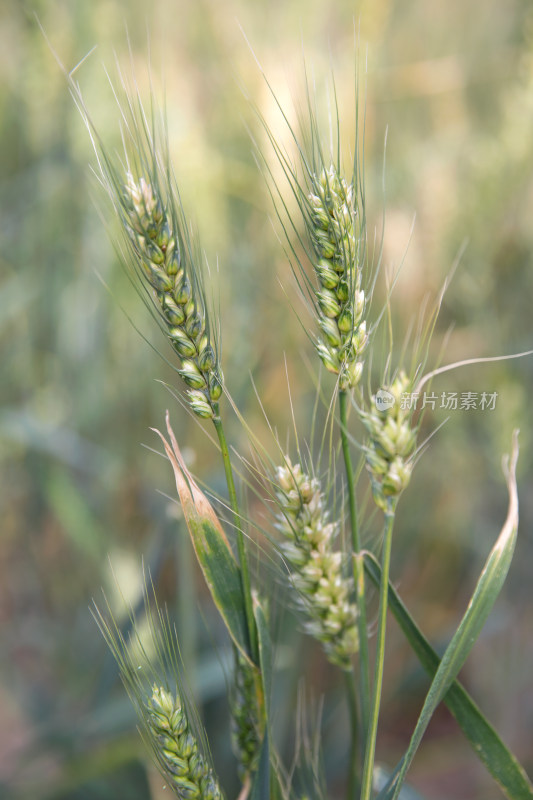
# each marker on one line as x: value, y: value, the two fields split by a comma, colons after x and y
x: 315, y: 567
x: 247, y: 720
x: 155, y: 244
x: 392, y: 442
x: 176, y: 748
x: 331, y: 222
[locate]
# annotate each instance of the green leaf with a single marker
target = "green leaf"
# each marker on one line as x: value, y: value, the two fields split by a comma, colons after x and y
x: 486, y: 743
x: 491, y: 750
x: 213, y: 551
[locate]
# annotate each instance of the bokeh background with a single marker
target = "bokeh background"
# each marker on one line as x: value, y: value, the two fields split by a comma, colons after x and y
x: 452, y: 82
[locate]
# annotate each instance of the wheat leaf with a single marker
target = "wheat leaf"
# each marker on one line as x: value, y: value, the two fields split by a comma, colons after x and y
x: 500, y: 762
x: 491, y: 580
x: 213, y: 551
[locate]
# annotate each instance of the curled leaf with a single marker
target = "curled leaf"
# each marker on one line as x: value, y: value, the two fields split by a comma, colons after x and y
x: 213, y: 551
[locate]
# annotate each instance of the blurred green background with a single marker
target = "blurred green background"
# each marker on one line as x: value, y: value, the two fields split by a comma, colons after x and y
x: 453, y: 84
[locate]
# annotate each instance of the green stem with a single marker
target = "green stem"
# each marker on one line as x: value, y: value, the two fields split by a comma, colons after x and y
x: 353, y: 783
x: 368, y: 770
x: 243, y: 562
x: 358, y: 573
x: 187, y: 625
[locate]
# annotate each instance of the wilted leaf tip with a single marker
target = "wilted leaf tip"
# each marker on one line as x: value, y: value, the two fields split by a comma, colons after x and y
x: 509, y: 469
x: 190, y: 494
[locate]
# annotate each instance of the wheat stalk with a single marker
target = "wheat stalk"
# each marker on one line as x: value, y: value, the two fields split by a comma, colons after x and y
x: 161, y: 252
x: 160, y: 249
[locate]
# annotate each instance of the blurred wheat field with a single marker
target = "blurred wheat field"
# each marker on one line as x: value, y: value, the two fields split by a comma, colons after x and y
x: 452, y: 85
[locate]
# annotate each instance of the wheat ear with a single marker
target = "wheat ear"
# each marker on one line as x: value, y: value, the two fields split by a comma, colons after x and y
x: 176, y: 748
x: 392, y: 442
x: 154, y: 242
x: 247, y: 721
x: 331, y: 218
x: 315, y: 567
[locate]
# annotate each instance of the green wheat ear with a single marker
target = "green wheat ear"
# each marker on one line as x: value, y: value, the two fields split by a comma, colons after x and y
x: 247, y: 719
x: 153, y: 232
x: 176, y: 748
x: 392, y: 441
x: 331, y: 206
x: 331, y: 220
x: 151, y: 671
x: 323, y: 592
x: 157, y: 246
